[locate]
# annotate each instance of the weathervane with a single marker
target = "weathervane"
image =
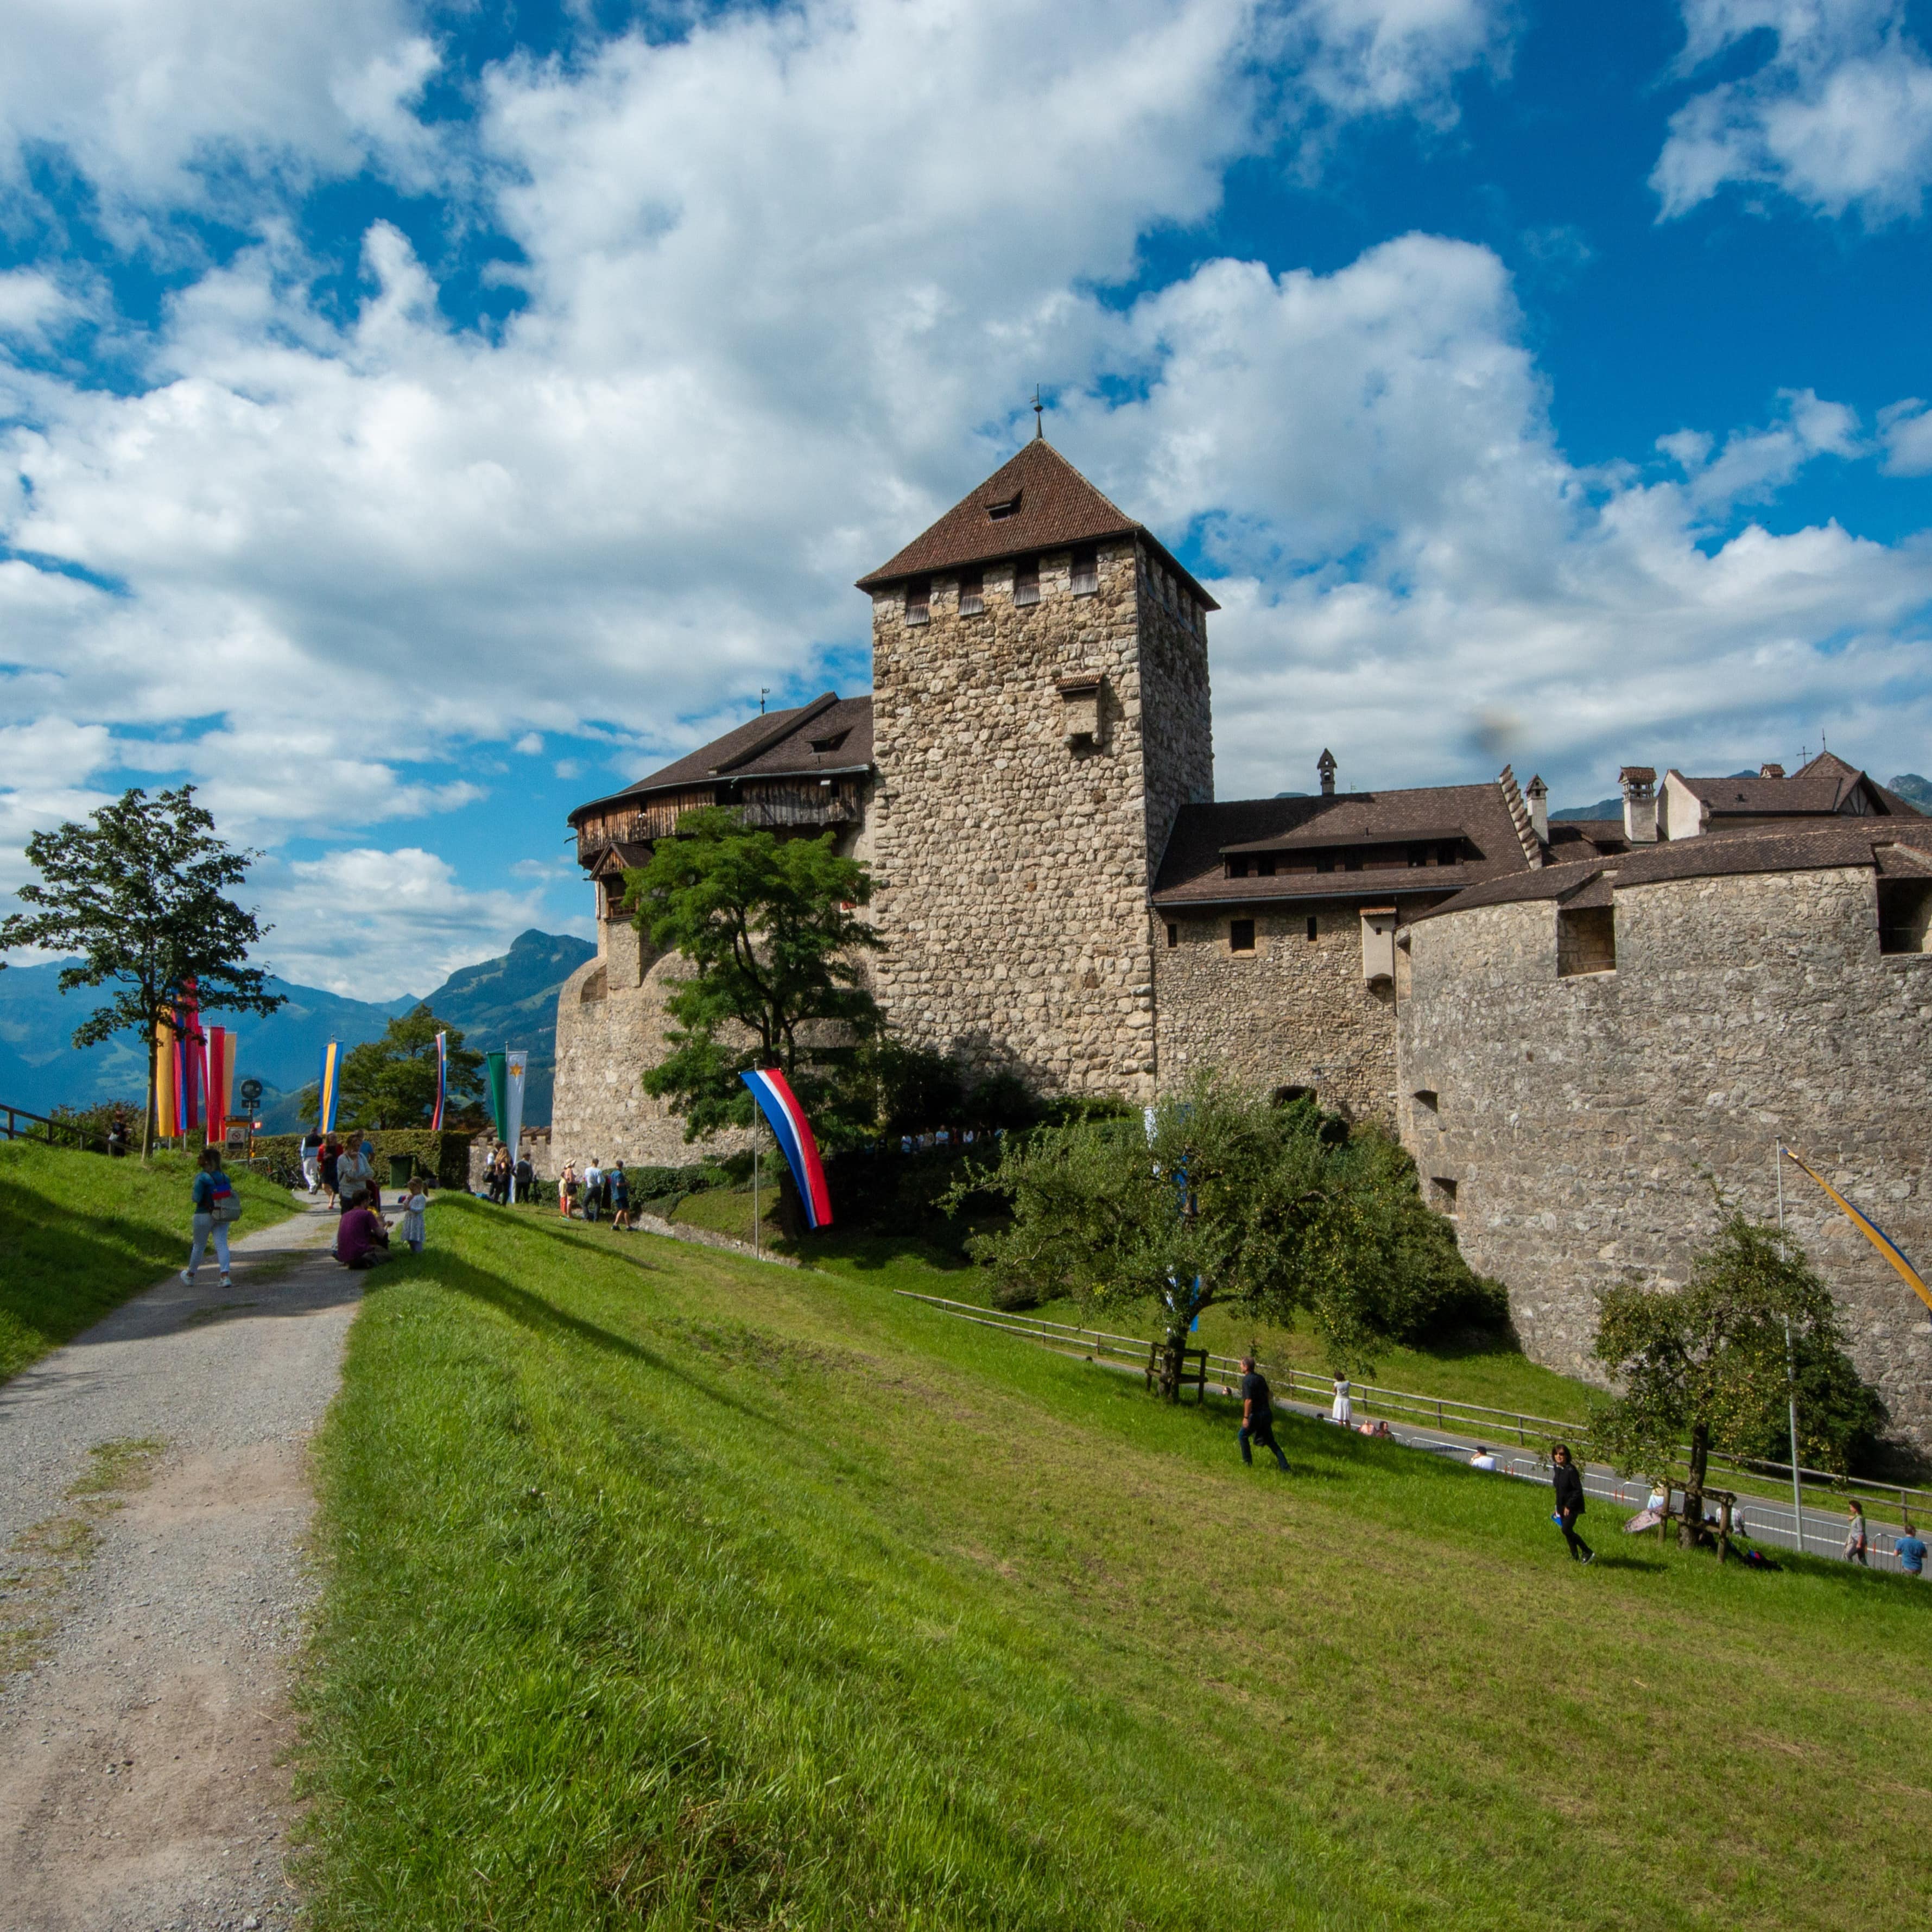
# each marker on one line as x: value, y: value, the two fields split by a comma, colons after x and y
x: 1039, y: 418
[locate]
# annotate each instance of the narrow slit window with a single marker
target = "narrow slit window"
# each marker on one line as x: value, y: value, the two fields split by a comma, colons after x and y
x: 1241, y: 935
x: 1442, y: 1192
x: 1173, y: 935
x: 1086, y: 572
x: 918, y: 600
x: 1425, y: 1099
x: 972, y: 593
x: 1026, y: 581
x: 1314, y: 932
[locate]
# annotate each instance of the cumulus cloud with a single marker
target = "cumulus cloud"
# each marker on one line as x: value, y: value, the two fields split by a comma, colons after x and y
x: 1752, y: 465
x: 1906, y: 429
x: 1839, y: 115
x: 375, y: 925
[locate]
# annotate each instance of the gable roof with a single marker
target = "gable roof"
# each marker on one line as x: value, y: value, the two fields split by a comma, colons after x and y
x: 777, y: 745
x: 1827, y: 785
x: 1054, y: 508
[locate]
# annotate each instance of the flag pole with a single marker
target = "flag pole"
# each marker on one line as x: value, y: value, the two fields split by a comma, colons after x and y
x: 756, y: 1140
x: 1790, y: 1377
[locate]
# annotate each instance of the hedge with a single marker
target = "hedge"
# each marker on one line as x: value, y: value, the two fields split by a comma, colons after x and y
x: 445, y: 1156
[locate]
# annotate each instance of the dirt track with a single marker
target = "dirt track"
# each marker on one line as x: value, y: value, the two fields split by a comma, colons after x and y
x: 143, y: 1781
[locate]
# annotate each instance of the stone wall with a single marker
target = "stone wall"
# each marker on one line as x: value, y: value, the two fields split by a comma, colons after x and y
x: 609, y: 1027
x: 1014, y: 866
x: 1293, y: 1013
x: 1580, y: 1120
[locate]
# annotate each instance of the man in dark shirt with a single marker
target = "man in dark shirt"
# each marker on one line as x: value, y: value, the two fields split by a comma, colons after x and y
x: 1258, y: 1414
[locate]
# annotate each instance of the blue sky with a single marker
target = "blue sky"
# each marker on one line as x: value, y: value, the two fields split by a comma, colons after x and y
x: 422, y: 418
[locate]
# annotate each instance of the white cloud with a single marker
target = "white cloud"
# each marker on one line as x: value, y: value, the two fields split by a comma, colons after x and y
x: 1906, y: 429
x: 1753, y: 465
x: 375, y: 925
x: 530, y: 744
x: 44, y: 769
x: 1839, y: 116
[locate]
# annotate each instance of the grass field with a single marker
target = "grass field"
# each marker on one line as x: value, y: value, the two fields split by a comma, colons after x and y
x: 664, y: 1589
x: 79, y: 1233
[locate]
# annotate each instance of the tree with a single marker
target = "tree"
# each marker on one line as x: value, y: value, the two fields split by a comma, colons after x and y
x: 390, y: 1082
x: 138, y: 893
x: 1706, y: 1364
x: 1278, y: 1210
x: 770, y: 928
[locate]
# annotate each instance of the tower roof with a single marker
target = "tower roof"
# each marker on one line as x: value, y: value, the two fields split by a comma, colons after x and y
x: 1038, y: 501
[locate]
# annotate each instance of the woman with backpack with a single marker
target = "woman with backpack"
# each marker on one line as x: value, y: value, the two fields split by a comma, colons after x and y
x: 216, y: 1203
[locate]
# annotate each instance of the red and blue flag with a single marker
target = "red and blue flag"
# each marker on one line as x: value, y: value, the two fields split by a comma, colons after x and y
x: 779, y: 1105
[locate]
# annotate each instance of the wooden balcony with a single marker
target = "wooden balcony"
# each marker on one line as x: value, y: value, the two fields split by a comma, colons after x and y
x: 802, y: 803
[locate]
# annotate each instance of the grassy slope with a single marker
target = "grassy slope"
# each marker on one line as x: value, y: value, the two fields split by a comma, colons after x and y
x: 79, y: 1233
x: 669, y: 1589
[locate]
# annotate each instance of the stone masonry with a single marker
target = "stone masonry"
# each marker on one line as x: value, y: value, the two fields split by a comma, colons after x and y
x: 1014, y: 865
x: 1579, y: 1122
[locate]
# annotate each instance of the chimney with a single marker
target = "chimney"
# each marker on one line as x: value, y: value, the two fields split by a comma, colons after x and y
x: 1325, y: 765
x: 1640, y: 788
x: 1538, y: 795
x: 1771, y: 771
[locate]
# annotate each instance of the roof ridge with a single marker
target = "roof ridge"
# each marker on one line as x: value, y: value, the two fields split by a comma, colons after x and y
x: 791, y: 721
x: 1519, y: 817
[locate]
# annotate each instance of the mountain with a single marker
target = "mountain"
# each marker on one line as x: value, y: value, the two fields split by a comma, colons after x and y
x: 1604, y: 808
x: 1914, y: 789
x: 510, y: 1001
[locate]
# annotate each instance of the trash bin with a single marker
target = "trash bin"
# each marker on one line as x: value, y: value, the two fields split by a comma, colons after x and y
x: 401, y: 1166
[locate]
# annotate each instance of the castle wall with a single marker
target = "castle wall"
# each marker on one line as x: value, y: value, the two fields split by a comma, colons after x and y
x: 610, y: 1026
x: 1577, y: 1118
x: 1014, y: 866
x: 1293, y: 1013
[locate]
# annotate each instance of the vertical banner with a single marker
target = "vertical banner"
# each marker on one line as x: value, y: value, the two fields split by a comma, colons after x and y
x: 779, y: 1105
x: 442, y: 1082
x: 188, y: 1057
x: 497, y: 1074
x: 516, y: 1066
x: 217, y: 1070
x: 164, y: 1079
x: 326, y: 1087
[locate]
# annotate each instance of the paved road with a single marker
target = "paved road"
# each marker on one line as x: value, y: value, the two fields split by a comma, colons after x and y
x: 142, y: 1784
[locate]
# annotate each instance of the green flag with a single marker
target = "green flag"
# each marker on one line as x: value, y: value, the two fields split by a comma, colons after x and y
x: 497, y: 1070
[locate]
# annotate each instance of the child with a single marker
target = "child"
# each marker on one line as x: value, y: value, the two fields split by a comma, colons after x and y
x: 414, y: 1204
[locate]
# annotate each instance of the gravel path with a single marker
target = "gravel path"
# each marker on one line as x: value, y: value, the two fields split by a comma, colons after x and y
x: 143, y: 1780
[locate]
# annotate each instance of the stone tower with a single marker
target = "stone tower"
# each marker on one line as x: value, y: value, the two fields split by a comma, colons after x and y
x: 1040, y: 715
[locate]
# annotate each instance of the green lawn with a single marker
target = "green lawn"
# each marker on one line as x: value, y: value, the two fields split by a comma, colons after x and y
x: 667, y: 1589
x: 79, y: 1233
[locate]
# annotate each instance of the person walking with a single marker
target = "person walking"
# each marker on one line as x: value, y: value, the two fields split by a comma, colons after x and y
x: 617, y: 1188
x: 1568, y: 1481
x: 311, y: 1159
x: 212, y: 1197
x: 525, y: 1174
x: 1855, y: 1532
x: 330, y: 1167
x: 355, y: 1173
x: 1342, y: 1409
x: 1258, y: 1414
x: 1910, y: 1550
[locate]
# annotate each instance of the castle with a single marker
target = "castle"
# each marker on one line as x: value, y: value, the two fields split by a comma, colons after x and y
x: 1571, y: 1025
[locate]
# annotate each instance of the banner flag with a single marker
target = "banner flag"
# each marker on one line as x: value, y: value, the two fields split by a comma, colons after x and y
x: 164, y: 1078
x: 218, y: 1079
x: 516, y: 1064
x: 327, y: 1087
x: 188, y: 1058
x: 779, y: 1105
x: 442, y: 1081
x: 496, y: 1074
x: 1870, y: 1229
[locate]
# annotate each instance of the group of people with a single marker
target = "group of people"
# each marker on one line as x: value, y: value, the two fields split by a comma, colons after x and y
x: 345, y: 1170
x: 500, y: 1176
x: 341, y: 1169
x: 597, y: 1189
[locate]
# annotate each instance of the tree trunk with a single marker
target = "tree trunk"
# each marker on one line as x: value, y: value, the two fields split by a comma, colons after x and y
x: 1173, y: 1357
x: 1690, y: 1531
x: 148, y: 1117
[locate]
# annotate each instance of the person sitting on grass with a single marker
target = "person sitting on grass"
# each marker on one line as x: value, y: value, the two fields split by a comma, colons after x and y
x: 1483, y: 1458
x: 362, y: 1237
x: 1910, y: 1547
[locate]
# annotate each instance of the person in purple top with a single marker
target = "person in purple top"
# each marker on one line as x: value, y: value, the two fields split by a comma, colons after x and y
x: 362, y: 1238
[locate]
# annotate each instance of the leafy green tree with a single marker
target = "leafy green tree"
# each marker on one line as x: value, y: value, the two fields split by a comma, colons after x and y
x: 770, y: 929
x: 140, y: 893
x: 1226, y: 1199
x: 1704, y: 1366
x: 390, y: 1082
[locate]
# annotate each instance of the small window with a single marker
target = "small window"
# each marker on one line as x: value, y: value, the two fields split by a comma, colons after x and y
x: 1904, y: 915
x: 1353, y: 865
x: 1586, y: 941
x: 1314, y: 932
x: 1241, y: 935
x: 1026, y: 581
x: 1238, y: 869
x: 1442, y: 1193
x: 832, y: 743
x: 1449, y: 853
x: 918, y: 600
x: 1425, y: 1099
x: 1086, y: 572
x: 972, y: 593
x: 1264, y: 865
x: 1325, y: 863
x: 1418, y: 855
x: 1173, y: 935
x: 999, y: 512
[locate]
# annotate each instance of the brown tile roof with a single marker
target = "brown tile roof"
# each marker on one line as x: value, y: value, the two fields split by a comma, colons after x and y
x: 1845, y: 842
x: 1584, y: 838
x: 778, y: 745
x: 1823, y: 786
x: 1055, y: 508
x: 1193, y: 873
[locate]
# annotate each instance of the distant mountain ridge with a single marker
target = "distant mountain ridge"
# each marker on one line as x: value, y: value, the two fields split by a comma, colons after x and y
x: 1908, y: 785
x: 510, y: 1000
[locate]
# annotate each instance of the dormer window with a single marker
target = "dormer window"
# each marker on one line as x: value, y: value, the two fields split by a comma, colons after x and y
x: 832, y: 743
x: 998, y: 513
x: 1026, y: 581
x: 918, y: 600
x: 1086, y: 572
x: 972, y: 593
